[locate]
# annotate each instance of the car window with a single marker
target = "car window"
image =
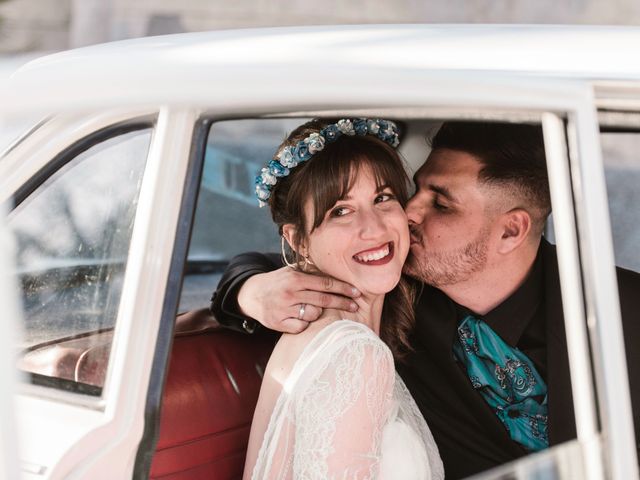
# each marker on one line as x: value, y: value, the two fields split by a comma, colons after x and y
x: 228, y: 220
x: 622, y: 174
x: 73, y: 233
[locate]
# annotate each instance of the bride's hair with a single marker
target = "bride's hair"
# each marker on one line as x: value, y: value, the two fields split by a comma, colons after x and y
x: 326, y: 178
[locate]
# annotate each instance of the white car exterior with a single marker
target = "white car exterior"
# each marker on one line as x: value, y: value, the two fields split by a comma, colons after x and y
x: 569, y: 79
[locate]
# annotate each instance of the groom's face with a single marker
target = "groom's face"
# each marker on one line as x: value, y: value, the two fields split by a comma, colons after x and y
x: 449, y: 220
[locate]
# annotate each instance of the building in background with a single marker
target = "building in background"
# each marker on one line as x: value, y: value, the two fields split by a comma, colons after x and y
x: 51, y: 25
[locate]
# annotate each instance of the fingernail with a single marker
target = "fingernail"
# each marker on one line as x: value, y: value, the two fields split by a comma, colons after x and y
x: 353, y: 307
x: 355, y: 292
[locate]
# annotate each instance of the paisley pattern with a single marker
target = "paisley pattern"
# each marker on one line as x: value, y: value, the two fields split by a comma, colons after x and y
x: 507, y: 380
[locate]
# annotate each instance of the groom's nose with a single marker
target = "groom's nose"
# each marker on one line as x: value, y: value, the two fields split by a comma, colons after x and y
x: 415, y: 209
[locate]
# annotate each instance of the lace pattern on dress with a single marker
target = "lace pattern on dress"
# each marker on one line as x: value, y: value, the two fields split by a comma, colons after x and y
x: 329, y: 418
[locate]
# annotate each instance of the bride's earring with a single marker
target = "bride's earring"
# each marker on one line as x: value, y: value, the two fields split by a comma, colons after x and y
x: 285, y: 258
x: 307, y: 262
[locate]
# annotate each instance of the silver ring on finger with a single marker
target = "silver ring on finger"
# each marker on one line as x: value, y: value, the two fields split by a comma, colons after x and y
x: 301, y: 311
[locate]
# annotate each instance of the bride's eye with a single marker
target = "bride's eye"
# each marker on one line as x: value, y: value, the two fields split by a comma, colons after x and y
x: 384, y: 197
x: 339, y: 212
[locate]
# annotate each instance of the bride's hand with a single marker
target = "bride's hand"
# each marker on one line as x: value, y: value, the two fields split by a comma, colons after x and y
x: 276, y: 299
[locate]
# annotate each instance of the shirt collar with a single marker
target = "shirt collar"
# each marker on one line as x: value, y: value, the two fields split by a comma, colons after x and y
x: 510, y: 319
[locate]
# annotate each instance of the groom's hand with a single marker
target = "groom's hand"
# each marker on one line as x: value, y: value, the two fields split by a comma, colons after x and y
x: 275, y: 299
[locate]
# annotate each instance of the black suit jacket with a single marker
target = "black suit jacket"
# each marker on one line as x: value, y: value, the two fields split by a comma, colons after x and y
x: 469, y: 435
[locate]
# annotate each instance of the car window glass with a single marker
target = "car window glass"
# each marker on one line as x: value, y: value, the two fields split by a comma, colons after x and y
x: 73, y: 235
x: 228, y: 220
x: 622, y: 174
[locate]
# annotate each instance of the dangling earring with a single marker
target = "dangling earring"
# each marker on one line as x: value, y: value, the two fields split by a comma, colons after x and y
x: 307, y: 262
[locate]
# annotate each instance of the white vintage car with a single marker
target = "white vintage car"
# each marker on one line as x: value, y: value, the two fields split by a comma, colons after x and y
x: 128, y: 172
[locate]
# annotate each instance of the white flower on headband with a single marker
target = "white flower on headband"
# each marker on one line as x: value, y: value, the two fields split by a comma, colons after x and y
x: 286, y: 158
x: 346, y: 126
x: 315, y: 141
x: 267, y: 177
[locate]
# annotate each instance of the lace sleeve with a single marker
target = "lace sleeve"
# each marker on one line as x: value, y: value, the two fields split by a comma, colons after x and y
x: 340, y: 413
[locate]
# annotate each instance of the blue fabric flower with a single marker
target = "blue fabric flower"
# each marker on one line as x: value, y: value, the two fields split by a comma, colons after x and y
x: 373, y: 126
x: 277, y: 169
x: 331, y: 132
x: 301, y: 152
x: 385, y: 132
x: 360, y: 126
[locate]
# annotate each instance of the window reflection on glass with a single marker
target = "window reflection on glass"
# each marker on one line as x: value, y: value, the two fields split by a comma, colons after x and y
x: 622, y: 174
x: 73, y: 235
x: 228, y: 220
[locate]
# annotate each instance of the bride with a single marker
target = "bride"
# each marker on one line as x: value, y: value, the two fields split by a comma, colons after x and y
x: 331, y: 404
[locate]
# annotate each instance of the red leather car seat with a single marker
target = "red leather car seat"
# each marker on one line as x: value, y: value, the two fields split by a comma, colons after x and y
x: 209, y: 397
x: 208, y: 401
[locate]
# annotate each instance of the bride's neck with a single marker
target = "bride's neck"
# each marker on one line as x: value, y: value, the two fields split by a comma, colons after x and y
x: 369, y: 312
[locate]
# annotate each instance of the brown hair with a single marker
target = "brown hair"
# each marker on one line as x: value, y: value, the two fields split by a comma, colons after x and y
x: 512, y: 156
x: 326, y: 178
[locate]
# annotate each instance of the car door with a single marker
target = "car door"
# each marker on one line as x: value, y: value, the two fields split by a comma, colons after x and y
x: 93, y: 196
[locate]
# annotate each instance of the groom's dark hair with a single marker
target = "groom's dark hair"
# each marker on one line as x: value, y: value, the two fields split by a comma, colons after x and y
x: 512, y: 156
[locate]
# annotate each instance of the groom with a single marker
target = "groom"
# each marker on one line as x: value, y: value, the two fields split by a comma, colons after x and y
x: 489, y: 369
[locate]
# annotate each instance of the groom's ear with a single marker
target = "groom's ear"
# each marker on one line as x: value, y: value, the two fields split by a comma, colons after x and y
x: 515, y: 228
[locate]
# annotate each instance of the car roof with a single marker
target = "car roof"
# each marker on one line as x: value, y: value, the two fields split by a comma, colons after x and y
x: 584, y: 51
x: 246, y: 57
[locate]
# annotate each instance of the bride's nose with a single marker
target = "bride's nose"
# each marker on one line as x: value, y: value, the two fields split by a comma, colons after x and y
x: 372, y: 224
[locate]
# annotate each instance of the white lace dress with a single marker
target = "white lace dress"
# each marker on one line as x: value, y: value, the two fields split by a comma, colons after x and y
x: 344, y: 413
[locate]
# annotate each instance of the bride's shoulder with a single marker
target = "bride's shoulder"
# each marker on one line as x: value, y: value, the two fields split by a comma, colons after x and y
x: 326, y: 332
x: 342, y: 339
x: 343, y: 331
x: 330, y: 339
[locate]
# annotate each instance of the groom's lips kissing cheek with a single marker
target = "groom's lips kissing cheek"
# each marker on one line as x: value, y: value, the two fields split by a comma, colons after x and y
x: 380, y: 255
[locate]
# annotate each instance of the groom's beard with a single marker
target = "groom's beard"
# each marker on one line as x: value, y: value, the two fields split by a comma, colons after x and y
x: 443, y: 268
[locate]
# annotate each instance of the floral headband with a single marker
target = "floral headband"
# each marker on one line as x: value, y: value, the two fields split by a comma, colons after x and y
x: 291, y: 156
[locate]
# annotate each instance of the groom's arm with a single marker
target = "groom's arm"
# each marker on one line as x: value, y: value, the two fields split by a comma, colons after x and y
x: 224, y: 302
x: 256, y: 290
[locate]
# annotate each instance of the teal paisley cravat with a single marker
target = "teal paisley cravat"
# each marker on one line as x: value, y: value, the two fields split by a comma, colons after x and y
x: 507, y: 380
